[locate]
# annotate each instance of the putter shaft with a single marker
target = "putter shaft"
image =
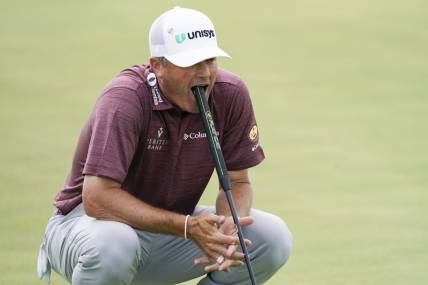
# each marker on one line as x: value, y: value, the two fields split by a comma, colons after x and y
x: 221, y: 169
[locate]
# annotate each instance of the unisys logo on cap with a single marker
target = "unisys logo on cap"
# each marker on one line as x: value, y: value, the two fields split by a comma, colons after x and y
x: 179, y: 38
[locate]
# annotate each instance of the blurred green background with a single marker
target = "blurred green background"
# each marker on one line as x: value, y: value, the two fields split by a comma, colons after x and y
x: 340, y: 93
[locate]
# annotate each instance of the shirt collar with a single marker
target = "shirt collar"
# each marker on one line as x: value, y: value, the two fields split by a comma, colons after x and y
x: 158, y: 100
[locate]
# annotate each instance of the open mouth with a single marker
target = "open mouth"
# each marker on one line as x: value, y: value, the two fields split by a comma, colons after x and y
x: 205, y: 86
x: 202, y: 86
x: 199, y: 90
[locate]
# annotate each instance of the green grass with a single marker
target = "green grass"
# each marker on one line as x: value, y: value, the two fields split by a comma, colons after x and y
x: 339, y: 88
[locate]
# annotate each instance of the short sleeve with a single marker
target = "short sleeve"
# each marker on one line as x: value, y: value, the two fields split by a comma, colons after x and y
x: 240, y: 145
x: 115, y: 125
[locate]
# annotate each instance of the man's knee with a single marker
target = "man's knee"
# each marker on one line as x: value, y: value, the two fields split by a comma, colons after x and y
x: 273, y: 240
x: 279, y: 242
x: 111, y: 257
x: 118, y: 247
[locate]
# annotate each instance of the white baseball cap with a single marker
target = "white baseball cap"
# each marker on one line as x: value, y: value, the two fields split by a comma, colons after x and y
x: 184, y: 37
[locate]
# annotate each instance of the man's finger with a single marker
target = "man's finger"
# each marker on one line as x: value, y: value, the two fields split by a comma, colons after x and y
x: 246, y: 221
x: 211, y: 267
x: 230, y: 263
x: 215, y: 219
x: 225, y: 266
x: 230, y: 250
x: 237, y: 256
x: 227, y: 239
x: 201, y: 260
x: 248, y: 242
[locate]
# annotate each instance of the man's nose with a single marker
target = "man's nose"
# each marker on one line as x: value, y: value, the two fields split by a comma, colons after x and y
x: 203, y: 69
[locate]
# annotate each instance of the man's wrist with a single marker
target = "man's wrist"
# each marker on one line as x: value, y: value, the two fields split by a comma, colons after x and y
x: 191, y: 223
x: 186, y: 221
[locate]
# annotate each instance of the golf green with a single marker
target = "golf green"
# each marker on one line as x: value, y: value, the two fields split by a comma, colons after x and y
x: 339, y: 90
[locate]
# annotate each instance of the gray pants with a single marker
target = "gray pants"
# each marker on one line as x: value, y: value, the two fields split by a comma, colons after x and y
x: 88, y: 251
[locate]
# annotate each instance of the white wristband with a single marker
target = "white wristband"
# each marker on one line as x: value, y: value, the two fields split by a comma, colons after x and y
x: 185, y: 226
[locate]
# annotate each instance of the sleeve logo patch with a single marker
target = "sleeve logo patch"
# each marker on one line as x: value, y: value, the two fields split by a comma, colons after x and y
x: 254, y: 133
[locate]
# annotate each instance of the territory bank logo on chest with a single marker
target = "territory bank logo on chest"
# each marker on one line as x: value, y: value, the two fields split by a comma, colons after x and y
x: 159, y: 141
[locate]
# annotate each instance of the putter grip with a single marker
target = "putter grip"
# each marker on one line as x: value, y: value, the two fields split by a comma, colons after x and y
x: 214, y: 144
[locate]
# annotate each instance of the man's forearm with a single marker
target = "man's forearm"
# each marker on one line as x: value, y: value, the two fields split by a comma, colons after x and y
x: 242, y: 196
x: 113, y: 203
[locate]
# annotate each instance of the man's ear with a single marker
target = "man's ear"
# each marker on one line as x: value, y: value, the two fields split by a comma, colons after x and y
x: 155, y: 64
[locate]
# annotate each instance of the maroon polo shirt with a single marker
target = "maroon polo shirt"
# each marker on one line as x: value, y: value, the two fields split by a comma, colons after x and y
x: 155, y: 151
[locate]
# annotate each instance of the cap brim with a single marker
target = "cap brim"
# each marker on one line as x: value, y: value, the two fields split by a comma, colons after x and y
x: 189, y: 58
